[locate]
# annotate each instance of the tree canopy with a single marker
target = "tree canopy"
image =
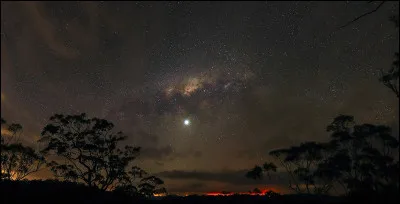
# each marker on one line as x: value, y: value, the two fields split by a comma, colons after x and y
x: 359, y: 158
x: 88, y: 150
x: 17, y: 160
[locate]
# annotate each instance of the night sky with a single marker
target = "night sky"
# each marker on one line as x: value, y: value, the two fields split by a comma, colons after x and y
x: 247, y: 77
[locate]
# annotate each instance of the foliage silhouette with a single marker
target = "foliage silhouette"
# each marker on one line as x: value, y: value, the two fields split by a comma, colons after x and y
x: 88, y: 151
x: 391, y: 78
x: 301, y: 162
x: 257, y: 171
x: 17, y: 161
x: 359, y: 158
x: 365, y: 157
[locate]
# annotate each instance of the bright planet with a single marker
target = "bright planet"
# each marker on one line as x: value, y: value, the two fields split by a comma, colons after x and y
x: 186, y: 122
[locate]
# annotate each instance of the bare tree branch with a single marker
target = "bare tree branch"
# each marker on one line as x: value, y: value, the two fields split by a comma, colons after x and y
x: 363, y: 15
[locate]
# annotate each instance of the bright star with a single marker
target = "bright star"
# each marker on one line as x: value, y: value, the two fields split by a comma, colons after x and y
x: 186, y: 122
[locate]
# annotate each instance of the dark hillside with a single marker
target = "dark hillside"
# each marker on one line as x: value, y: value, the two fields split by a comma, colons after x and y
x: 51, y: 191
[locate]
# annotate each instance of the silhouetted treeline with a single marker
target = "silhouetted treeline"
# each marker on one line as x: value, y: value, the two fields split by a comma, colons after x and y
x: 359, y: 160
x: 78, y: 149
x: 55, y: 191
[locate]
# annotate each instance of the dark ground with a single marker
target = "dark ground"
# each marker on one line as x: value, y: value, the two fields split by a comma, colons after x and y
x: 55, y: 192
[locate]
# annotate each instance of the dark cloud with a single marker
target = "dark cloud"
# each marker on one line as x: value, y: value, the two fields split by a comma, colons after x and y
x: 191, y: 187
x: 157, y: 153
x: 235, y: 177
x: 167, y: 153
x: 152, y: 150
x: 195, y: 186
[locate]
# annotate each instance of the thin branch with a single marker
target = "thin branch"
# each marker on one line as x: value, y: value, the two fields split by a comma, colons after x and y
x: 363, y: 15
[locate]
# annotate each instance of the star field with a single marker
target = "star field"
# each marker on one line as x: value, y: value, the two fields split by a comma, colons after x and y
x: 248, y: 77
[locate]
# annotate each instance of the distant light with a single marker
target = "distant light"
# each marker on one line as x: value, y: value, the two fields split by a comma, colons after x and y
x: 186, y: 122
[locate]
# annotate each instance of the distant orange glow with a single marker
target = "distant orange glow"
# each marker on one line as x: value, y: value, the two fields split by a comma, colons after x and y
x: 5, y: 132
x: 242, y: 193
x: 14, y: 175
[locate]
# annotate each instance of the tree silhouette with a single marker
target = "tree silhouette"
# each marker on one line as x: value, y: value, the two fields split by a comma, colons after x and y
x: 257, y: 191
x: 10, y: 133
x: 17, y: 161
x: 280, y: 155
x: 89, y: 151
x: 360, y: 158
x: 391, y: 78
x: 301, y: 162
x: 257, y: 171
x: 268, y: 167
x: 364, y: 158
x: 147, y: 186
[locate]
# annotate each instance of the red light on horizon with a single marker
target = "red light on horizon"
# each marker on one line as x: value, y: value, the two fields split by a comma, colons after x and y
x: 262, y: 192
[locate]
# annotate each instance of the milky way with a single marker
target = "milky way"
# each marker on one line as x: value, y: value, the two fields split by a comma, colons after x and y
x: 250, y: 77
